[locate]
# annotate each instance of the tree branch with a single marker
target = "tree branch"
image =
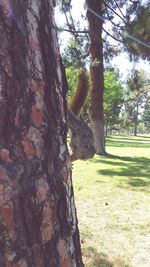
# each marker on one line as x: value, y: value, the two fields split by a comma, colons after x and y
x: 115, y: 12
x: 119, y: 8
x: 112, y: 36
x: 70, y: 26
x: 108, y: 43
x: 71, y: 31
x: 116, y: 25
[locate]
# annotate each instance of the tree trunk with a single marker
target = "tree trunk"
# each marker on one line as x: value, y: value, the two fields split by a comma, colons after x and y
x: 136, y: 119
x: 97, y: 78
x: 135, y: 128
x: 106, y: 129
x: 38, y: 224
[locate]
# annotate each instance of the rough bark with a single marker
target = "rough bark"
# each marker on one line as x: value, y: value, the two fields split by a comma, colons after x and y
x: 96, y: 53
x: 38, y: 224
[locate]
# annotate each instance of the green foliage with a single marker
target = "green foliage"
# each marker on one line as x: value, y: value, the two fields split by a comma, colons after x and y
x: 113, y: 96
x: 113, y: 99
x: 124, y: 106
x: 72, y: 77
x: 75, y: 52
x: 139, y: 28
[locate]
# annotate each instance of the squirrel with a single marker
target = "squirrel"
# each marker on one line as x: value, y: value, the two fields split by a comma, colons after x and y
x: 82, y: 141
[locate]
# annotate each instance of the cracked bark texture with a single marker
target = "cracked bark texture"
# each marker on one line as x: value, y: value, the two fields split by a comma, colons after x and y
x: 38, y: 224
x: 96, y: 70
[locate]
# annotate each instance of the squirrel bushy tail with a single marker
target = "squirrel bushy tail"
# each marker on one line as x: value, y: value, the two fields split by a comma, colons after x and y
x: 81, y: 93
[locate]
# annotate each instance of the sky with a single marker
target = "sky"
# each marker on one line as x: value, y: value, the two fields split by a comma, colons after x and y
x: 121, y: 62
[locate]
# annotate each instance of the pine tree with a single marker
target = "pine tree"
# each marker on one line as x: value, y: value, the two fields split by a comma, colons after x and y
x: 38, y: 221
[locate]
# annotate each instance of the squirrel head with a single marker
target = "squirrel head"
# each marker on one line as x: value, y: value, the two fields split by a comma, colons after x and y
x: 82, y: 145
x: 82, y: 141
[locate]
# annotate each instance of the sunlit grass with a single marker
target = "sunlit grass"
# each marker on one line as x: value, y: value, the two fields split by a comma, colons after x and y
x: 112, y: 196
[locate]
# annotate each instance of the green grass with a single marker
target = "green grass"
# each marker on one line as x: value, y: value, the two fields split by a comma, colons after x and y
x: 112, y: 195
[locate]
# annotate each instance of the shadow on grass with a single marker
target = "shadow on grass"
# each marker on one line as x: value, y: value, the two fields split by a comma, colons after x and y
x: 96, y: 259
x: 104, y: 159
x: 143, y: 136
x: 138, y: 182
x: 129, y: 172
x: 133, y: 139
x: 136, y: 170
x: 122, y: 143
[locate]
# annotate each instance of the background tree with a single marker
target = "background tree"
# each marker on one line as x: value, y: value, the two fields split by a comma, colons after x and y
x: 139, y: 32
x: 146, y: 115
x: 37, y: 213
x: 135, y: 98
x: 96, y: 70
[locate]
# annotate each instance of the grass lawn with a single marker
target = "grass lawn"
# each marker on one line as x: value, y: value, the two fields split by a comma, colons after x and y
x: 112, y: 195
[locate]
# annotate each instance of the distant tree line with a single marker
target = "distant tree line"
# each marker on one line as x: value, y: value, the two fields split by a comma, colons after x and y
x: 126, y: 105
